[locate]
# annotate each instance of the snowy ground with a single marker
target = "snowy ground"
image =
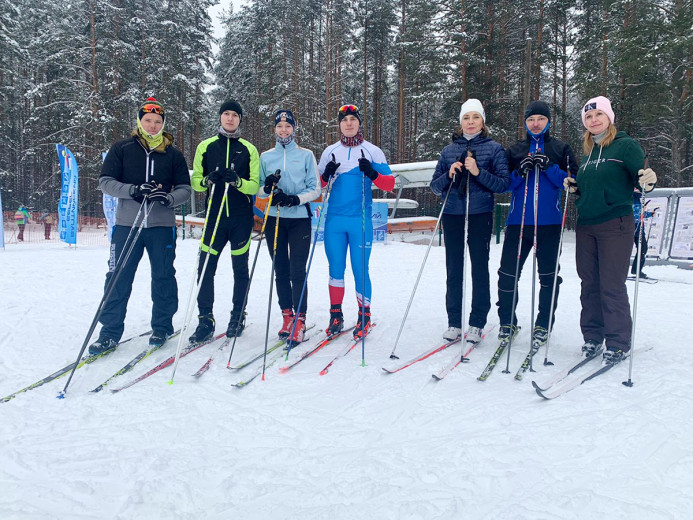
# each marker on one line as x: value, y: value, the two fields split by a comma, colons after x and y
x: 353, y: 444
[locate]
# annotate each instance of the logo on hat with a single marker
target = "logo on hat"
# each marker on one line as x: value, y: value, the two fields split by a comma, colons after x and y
x: 590, y: 106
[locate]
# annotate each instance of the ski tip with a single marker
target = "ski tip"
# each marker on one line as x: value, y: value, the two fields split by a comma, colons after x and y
x: 541, y: 394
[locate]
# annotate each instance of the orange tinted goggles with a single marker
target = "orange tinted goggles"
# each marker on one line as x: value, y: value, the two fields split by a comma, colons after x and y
x: 348, y: 108
x: 152, y: 108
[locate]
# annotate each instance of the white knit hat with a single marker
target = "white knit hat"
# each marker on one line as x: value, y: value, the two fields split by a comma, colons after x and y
x: 472, y: 105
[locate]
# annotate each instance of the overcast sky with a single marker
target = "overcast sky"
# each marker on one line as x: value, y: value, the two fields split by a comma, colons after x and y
x: 216, y: 10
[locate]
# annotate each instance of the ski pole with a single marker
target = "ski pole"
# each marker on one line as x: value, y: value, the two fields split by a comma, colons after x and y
x: 517, y: 277
x: 326, y: 199
x: 363, y: 266
x: 629, y: 383
x: 269, y: 302
x: 128, y: 246
x: 465, y: 245
x: 423, y: 264
x: 555, y: 272
x: 534, y: 258
x: 201, y: 276
x: 252, y: 269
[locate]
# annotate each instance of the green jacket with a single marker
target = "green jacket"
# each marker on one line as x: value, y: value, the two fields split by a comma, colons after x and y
x: 606, y: 179
x: 220, y: 152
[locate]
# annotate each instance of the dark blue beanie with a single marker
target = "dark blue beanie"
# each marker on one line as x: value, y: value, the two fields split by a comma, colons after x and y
x: 287, y: 115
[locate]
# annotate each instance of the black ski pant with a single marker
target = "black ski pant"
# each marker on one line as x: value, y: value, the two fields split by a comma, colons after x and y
x: 236, y: 230
x: 293, y: 247
x: 547, y: 249
x: 478, y: 240
x: 160, y: 244
x: 602, y: 255
x: 643, y: 250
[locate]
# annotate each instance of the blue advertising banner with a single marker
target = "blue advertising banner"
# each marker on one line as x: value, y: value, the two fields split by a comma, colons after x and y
x: 110, y: 205
x: 379, y: 221
x: 68, y: 204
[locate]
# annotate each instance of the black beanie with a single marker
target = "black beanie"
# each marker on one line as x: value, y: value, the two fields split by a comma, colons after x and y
x: 151, y: 106
x: 538, y: 108
x: 348, y: 110
x: 231, y: 104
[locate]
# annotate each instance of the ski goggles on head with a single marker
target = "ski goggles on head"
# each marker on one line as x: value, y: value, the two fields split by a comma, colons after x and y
x: 345, y: 109
x: 152, y: 108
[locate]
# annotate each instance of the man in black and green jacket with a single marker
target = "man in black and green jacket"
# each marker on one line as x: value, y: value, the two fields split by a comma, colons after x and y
x: 231, y: 166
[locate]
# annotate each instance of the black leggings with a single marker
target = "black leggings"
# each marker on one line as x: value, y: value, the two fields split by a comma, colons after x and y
x: 293, y: 247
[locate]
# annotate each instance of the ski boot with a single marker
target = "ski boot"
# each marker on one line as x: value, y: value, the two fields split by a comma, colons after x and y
x: 205, y: 328
x: 363, y: 325
x: 288, y: 316
x: 508, y: 331
x: 236, y: 324
x: 101, y: 345
x: 591, y: 347
x: 300, y: 332
x: 158, y: 338
x: 336, y: 320
x: 540, y: 336
x: 474, y: 335
x: 452, y: 333
x: 613, y: 355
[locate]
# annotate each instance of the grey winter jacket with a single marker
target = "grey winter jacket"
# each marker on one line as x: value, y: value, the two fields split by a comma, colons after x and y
x: 129, y: 163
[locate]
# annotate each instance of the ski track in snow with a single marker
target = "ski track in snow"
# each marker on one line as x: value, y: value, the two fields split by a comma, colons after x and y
x: 355, y: 443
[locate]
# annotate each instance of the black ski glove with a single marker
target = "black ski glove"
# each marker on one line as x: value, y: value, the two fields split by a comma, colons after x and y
x: 231, y: 176
x: 526, y: 166
x: 330, y: 169
x: 161, y: 196
x: 139, y: 192
x: 286, y: 201
x: 541, y: 161
x: 271, y: 181
x: 278, y: 197
x: 367, y: 168
x: 215, y: 177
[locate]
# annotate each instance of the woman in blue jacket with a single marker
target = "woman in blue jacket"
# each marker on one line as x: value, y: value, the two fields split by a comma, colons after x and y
x: 297, y: 185
x: 472, y: 153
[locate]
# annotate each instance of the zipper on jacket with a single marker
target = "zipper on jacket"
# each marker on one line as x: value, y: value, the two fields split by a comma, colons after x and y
x: 228, y: 151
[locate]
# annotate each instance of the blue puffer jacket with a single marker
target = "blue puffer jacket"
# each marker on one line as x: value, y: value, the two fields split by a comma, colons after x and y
x: 493, y: 175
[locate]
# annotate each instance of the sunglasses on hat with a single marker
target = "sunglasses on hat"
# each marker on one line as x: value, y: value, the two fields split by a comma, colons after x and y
x: 348, y: 108
x: 152, y: 108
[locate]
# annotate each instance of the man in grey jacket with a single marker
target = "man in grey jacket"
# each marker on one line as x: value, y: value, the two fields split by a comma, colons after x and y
x: 144, y: 172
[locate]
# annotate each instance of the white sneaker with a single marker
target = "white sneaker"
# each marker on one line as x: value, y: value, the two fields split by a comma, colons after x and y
x: 452, y: 333
x: 474, y: 334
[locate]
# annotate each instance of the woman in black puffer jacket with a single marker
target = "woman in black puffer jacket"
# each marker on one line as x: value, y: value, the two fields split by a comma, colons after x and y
x: 475, y: 156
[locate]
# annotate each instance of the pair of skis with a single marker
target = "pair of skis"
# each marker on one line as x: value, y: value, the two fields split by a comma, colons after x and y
x: 169, y: 361
x: 454, y: 362
x: 318, y: 346
x: 575, y: 375
x: 68, y: 368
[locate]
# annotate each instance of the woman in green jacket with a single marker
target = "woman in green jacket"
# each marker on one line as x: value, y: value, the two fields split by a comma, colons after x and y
x: 611, y: 167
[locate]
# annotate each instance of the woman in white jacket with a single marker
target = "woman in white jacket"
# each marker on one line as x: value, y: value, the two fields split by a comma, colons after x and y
x: 293, y: 171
